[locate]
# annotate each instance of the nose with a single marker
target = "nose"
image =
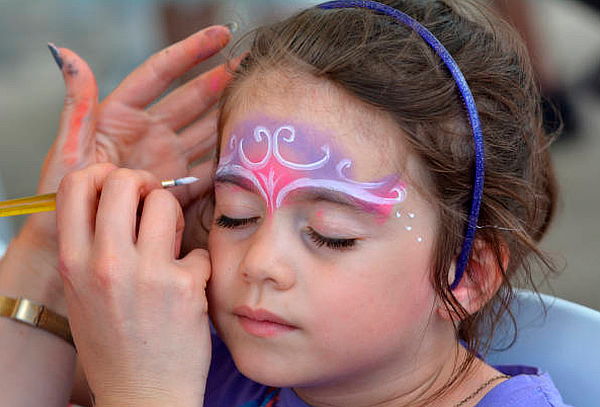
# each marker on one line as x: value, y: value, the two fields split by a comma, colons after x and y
x: 269, y: 258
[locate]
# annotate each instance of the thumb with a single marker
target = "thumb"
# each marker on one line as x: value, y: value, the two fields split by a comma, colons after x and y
x: 75, y: 145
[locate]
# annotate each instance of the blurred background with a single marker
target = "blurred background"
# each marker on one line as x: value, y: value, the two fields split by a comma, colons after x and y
x: 115, y: 36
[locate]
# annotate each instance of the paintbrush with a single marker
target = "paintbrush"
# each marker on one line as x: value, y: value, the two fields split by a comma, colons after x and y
x: 47, y: 202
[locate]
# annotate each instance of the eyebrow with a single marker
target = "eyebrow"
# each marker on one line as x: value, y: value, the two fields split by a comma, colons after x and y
x: 309, y: 194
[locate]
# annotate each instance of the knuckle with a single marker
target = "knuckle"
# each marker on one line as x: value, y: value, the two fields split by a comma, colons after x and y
x: 165, y: 201
x: 67, y: 261
x: 104, y: 167
x: 187, y: 287
x: 72, y: 179
x: 155, y: 65
x: 184, y: 282
x: 71, y: 186
x: 124, y: 178
x: 106, y: 271
x: 162, y: 197
x: 199, y: 262
x: 183, y: 285
x: 121, y: 174
x: 84, y: 176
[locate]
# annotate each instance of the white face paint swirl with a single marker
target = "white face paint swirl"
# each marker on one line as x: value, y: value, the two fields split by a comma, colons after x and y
x: 258, y: 158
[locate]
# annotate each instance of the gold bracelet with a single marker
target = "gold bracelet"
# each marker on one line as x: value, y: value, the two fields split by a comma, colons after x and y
x: 35, y: 315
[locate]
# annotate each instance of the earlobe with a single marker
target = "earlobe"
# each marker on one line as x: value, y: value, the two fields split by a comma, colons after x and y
x: 480, y: 282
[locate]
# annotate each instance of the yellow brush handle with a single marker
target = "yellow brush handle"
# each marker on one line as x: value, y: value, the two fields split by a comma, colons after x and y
x: 47, y: 202
x: 30, y: 204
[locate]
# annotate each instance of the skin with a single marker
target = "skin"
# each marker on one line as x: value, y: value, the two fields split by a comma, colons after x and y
x: 257, y: 156
x: 125, y: 129
x: 369, y: 330
x: 136, y: 309
x: 138, y: 312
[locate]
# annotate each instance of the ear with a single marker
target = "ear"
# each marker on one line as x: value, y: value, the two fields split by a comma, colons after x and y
x: 480, y: 283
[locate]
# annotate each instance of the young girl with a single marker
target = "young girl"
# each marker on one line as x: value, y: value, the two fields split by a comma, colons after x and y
x: 367, y: 226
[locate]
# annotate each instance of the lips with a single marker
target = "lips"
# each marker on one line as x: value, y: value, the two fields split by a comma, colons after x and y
x: 262, y: 323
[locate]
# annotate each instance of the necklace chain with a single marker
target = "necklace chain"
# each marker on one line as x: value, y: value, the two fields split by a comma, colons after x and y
x: 274, y: 393
x: 483, y: 386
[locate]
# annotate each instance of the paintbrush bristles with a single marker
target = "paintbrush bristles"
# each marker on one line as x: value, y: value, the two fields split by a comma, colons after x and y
x: 179, y: 181
x: 186, y: 180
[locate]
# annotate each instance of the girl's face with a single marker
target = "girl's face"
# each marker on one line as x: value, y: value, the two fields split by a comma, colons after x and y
x: 321, y: 249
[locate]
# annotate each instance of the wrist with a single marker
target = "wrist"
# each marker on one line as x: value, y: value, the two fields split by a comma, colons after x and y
x: 145, y: 391
x: 29, y: 269
x: 145, y: 402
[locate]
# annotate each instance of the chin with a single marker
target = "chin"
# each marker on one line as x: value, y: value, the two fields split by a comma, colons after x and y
x: 267, y: 368
x: 265, y: 373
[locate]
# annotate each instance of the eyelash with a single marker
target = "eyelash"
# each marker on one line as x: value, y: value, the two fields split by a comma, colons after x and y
x: 318, y: 239
x: 231, y: 223
x: 331, y: 243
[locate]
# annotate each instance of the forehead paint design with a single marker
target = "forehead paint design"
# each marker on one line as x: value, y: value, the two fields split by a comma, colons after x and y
x: 278, y: 159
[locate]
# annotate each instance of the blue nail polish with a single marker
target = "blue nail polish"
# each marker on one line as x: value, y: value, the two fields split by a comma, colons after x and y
x: 56, y: 54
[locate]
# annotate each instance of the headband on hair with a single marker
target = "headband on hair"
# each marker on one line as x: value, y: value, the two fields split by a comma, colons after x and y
x: 469, y: 101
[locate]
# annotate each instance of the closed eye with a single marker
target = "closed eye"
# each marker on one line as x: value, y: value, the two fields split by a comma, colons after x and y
x: 331, y: 243
x: 233, y: 223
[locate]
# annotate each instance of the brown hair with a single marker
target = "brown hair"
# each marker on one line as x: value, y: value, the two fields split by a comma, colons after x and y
x: 386, y: 65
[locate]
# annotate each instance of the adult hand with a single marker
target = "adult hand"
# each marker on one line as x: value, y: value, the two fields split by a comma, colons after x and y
x: 126, y: 130
x: 138, y: 314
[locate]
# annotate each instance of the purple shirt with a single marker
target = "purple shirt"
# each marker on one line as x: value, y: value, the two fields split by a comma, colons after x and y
x: 227, y: 387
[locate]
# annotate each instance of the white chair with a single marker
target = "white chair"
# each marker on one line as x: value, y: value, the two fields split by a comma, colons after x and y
x: 564, y: 341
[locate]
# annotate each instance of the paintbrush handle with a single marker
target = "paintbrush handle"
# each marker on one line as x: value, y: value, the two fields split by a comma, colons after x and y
x: 30, y: 204
x: 47, y: 202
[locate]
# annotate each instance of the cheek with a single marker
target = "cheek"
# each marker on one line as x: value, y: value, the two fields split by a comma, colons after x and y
x: 382, y: 303
x: 375, y: 303
x: 224, y: 260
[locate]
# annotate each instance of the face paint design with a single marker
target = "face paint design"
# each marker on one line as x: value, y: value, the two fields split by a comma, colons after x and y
x: 278, y: 159
x: 409, y: 228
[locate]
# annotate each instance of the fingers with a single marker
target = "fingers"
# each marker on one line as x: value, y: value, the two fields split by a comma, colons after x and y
x: 97, y: 212
x: 155, y: 75
x: 117, y: 210
x: 198, y: 261
x: 161, y: 226
x: 190, y: 101
x: 200, y: 138
x: 74, y: 146
x: 76, y: 203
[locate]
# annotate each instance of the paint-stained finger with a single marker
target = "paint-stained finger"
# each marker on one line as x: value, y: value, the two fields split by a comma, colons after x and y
x: 193, y: 99
x: 155, y: 75
x: 75, y: 144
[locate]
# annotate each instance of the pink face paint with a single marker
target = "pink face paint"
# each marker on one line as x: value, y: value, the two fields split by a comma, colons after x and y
x: 72, y: 143
x: 278, y: 158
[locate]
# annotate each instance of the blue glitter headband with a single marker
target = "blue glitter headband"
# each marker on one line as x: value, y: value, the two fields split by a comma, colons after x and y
x: 465, y: 91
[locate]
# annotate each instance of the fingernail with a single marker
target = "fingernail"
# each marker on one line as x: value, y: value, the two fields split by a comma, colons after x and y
x: 56, y: 54
x: 232, y: 26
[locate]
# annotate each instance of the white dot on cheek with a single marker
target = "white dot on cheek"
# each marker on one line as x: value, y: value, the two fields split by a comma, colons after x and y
x: 412, y: 215
x: 398, y: 214
x: 420, y: 239
x: 409, y: 228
